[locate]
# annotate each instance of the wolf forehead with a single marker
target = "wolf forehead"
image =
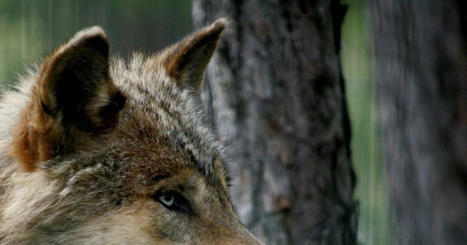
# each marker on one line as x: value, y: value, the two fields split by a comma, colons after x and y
x: 160, y: 118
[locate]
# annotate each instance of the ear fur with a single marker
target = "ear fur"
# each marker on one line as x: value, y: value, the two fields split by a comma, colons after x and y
x: 74, y: 96
x: 186, y: 61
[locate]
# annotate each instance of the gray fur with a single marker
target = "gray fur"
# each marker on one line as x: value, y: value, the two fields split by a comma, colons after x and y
x: 74, y: 198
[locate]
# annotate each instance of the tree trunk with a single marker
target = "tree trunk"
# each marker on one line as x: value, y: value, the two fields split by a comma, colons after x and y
x: 421, y: 63
x: 275, y: 94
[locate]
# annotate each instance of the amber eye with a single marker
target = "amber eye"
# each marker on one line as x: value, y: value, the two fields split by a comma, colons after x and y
x: 174, y: 201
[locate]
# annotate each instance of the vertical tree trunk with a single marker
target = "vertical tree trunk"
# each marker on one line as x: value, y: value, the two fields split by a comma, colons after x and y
x: 276, y: 96
x: 421, y: 63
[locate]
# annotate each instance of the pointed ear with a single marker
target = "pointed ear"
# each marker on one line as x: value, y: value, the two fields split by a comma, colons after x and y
x: 73, y: 98
x: 187, y: 60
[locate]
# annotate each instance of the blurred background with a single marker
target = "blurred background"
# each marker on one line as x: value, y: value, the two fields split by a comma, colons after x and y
x: 31, y: 29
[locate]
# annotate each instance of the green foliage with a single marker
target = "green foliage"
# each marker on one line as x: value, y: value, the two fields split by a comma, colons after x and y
x: 371, y: 186
x: 30, y: 29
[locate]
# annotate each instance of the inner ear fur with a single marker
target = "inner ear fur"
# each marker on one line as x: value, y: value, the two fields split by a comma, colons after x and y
x: 74, y: 97
x: 186, y: 61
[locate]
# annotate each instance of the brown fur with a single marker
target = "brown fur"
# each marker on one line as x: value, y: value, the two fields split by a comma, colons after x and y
x: 186, y: 61
x: 40, y: 132
x: 95, y: 148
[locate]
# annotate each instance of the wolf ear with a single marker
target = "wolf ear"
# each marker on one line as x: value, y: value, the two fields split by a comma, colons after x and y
x: 73, y: 98
x: 187, y: 60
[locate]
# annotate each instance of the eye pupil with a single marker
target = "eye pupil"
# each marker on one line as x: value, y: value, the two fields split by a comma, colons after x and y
x: 167, y: 199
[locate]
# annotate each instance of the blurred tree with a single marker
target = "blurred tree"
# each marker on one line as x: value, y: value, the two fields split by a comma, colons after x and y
x: 421, y: 63
x: 276, y: 95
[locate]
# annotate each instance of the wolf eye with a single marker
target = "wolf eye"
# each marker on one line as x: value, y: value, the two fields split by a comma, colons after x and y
x: 167, y: 199
x: 174, y: 201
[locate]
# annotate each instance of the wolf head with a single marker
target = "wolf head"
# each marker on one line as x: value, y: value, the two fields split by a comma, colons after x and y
x: 103, y: 151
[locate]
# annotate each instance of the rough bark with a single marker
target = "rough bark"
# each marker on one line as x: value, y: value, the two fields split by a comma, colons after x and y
x: 421, y: 64
x: 276, y: 96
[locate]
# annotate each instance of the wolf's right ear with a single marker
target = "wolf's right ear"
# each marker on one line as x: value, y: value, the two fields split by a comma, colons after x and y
x: 186, y: 61
x: 73, y: 98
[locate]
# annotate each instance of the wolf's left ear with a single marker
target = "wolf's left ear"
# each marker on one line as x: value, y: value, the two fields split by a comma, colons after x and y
x: 187, y: 60
x: 75, y: 81
x: 74, y: 99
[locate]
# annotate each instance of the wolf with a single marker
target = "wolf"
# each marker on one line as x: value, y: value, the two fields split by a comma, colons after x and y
x: 98, y: 150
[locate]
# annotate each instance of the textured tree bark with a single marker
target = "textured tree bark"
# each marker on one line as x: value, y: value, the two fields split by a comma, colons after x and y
x: 421, y: 63
x: 275, y: 94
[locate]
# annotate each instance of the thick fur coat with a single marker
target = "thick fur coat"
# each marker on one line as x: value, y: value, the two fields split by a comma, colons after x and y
x: 98, y: 150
